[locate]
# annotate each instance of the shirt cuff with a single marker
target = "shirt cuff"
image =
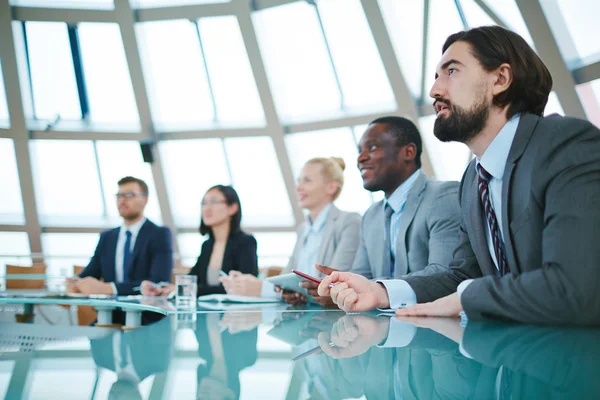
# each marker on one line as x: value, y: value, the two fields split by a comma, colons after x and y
x: 462, y: 286
x: 399, y: 292
x: 400, y: 334
x: 114, y: 288
x: 267, y: 290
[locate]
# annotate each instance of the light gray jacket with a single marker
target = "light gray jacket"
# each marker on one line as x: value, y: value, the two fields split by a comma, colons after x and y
x: 428, y: 232
x: 339, y: 241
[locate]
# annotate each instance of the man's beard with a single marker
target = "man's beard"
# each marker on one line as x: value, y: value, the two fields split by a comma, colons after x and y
x: 461, y: 125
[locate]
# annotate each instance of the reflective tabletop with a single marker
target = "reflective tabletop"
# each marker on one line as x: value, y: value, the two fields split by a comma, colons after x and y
x: 276, y: 352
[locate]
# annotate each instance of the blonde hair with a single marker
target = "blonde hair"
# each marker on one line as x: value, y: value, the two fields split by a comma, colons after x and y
x: 332, y: 169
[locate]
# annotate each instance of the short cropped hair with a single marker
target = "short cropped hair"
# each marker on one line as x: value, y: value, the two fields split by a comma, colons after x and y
x: 494, y: 46
x: 130, y: 179
x: 405, y: 132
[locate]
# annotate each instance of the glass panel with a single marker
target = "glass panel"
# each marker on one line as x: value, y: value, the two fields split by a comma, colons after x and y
x: 475, y: 15
x: 405, y: 20
x: 581, y: 20
x: 107, y: 75
x: 589, y: 93
x: 358, y: 64
x: 230, y: 72
x: 259, y: 182
x: 165, y: 3
x: 11, y: 202
x: 52, y: 74
x: 191, y: 167
x: 64, y: 250
x: 175, y: 77
x: 66, y: 183
x: 553, y: 106
x: 275, y: 249
x: 117, y: 160
x: 81, y: 4
x: 333, y: 142
x: 444, y: 20
x: 296, y: 61
x: 4, y: 117
x: 508, y: 12
x: 449, y: 159
x: 14, y: 249
x: 190, y: 245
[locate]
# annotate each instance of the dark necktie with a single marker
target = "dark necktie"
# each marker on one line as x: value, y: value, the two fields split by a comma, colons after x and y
x: 388, y: 211
x: 127, y: 256
x: 484, y: 193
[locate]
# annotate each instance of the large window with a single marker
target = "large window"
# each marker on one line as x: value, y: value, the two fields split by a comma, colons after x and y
x: 63, y: 251
x: 4, y: 118
x: 11, y: 203
x: 14, y: 249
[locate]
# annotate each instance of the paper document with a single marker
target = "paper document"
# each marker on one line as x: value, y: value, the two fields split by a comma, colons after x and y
x: 232, y: 298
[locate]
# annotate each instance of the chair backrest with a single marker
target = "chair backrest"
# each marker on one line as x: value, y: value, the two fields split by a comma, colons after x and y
x: 270, y: 271
x: 77, y: 269
x: 25, y: 283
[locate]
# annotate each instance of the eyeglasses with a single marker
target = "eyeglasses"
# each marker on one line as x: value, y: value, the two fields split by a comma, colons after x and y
x: 129, y: 195
x: 212, y: 202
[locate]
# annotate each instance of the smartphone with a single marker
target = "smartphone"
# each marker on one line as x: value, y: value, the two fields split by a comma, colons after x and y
x: 306, y: 276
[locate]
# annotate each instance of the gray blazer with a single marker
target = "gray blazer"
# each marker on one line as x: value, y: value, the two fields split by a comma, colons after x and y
x: 339, y: 241
x: 551, y: 214
x: 428, y: 228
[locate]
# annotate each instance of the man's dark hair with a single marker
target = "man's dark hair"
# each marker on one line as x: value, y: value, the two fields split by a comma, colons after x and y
x: 494, y: 46
x: 130, y: 179
x: 405, y: 132
x: 231, y: 197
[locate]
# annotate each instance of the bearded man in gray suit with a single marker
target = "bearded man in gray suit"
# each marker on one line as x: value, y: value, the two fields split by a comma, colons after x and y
x: 529, y: 242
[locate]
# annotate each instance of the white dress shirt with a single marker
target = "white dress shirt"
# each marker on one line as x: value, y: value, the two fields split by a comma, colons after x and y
x: 494, y: 161
x: 120, y: 253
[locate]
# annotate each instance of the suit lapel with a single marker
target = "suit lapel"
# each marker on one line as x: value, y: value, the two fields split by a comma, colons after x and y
x: 110, y: 273
x: 140, y: 242
x: 413, y: 201
x: 523, y: 135
x: 477, y: 231
x: 328, y: 231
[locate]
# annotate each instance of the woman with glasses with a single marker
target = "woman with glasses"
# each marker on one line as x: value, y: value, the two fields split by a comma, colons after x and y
x: 227, y: 249
x: 329, y: 236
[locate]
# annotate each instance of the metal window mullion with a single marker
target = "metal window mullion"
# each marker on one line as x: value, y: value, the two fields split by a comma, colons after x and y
x: 206, y: 71
x: 28, y: 62
x: 499, y: 21
x: 78, y: 68
x: 461, y: 14
x: 102, y: 194
x: 227, y: 163
x: 329, y: 54
x: 424, y: 50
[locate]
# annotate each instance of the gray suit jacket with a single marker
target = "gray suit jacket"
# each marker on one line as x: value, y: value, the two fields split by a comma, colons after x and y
x: 339, y: 241
x: 428, y: 228
x: 551, y: 214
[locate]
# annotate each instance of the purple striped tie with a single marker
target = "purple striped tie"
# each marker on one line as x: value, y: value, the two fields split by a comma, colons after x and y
x: 484, y: 192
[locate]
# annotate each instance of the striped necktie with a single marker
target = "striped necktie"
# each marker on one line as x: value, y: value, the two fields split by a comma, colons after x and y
x: 483, y: 180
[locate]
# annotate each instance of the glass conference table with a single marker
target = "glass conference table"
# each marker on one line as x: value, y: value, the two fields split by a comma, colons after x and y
x: 272, y: 351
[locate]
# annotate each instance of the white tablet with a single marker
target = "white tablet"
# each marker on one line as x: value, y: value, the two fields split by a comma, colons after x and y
x: 289, y: 281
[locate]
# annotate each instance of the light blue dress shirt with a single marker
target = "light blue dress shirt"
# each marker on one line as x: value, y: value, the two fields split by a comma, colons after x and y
x: 398, y: 201
x: 494, y: 161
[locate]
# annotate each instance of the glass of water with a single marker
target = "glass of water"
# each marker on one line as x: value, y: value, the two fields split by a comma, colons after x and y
x: 186, y: 287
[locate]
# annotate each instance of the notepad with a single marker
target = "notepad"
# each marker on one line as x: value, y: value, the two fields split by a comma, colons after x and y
x: 232, y: 298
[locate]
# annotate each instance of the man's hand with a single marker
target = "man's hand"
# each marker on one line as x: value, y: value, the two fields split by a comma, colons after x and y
x: 241, y: 284
x: 311, y: 288
x: 353, y: 335
x: 89, y: 285
x: 448, y: 306
x: 354, y: 293
x: 291, y: 298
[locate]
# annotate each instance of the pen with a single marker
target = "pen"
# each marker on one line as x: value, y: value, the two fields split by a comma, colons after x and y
x: 223, y: 273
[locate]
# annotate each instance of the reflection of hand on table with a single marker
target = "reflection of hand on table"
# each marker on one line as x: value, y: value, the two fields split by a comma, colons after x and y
x: 353, y: 335
x: 236, y: 322
x: 449, y: 327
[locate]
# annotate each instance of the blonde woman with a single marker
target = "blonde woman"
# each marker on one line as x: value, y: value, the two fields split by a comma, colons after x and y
x: 329, y: 236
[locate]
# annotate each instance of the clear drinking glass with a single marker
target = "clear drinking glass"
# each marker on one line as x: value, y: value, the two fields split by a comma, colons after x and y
x: 186, y: 287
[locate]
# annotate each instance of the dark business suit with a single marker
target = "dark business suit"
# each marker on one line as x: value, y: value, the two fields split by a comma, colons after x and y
x: 152, y: 258
x: 240, y: 255
x: 551, y: 220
